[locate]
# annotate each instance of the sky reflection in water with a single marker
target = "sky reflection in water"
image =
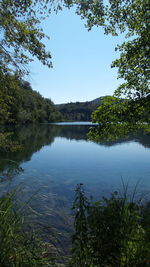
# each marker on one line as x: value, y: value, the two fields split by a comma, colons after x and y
x: 57, y: 157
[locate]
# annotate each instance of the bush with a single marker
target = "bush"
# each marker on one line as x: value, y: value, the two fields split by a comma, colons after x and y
x: 113, y: 232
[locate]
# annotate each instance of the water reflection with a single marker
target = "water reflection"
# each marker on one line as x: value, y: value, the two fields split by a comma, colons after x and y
x: 111, y: 134
x: 33, y: 137
x: 62, y: 154
x: 57, y: 157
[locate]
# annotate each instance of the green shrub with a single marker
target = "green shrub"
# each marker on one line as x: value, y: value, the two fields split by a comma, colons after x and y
x: 113, y: 232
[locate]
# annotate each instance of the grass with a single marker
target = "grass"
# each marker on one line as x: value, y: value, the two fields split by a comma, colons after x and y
x: 112, y: 232
x: 19, y: 247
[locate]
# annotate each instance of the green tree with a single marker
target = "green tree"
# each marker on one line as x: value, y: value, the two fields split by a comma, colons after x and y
x: 118, y: 118
x: 131, y: 18
x: 8, y: 99
x: 19, y: 104
x: 21, y: 35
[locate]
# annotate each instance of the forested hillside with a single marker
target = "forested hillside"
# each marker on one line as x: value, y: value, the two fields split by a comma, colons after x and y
x: 19, y: 104
x: 79, y: 111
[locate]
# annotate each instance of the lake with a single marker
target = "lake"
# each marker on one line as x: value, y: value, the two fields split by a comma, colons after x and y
x: 56, y: 157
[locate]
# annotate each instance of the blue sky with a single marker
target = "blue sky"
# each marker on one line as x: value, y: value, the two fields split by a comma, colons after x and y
x: 81, y: 61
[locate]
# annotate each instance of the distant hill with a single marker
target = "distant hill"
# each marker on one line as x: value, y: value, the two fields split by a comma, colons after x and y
x: 79, y: 111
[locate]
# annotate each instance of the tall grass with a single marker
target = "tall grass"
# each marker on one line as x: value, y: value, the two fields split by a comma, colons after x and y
x: 113, y: 232
x: 19, y: 247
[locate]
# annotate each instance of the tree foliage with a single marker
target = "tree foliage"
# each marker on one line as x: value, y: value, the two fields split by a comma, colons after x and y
x: 19, y: 104
x: 116, y: 110
x: 131, y: 18
x: 118, y: 118
x: 78, y: 111
x: 21, y: 34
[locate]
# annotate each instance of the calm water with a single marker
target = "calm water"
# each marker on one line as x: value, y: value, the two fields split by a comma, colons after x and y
x: 57, y: 157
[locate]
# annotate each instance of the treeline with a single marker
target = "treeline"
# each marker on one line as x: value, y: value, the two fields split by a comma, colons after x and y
x: 19, y: 104
x: 79, y: 111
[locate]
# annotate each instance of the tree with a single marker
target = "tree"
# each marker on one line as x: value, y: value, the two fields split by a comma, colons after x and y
x: 21, y: 35
x: 118, y: 118
x: 130, y: 18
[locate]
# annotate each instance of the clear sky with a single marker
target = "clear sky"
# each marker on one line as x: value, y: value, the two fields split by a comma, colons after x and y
x: 81, y: 61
